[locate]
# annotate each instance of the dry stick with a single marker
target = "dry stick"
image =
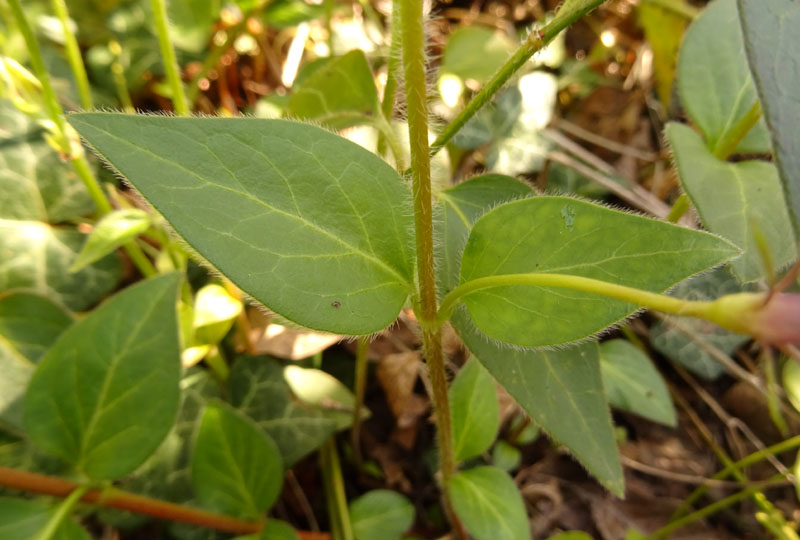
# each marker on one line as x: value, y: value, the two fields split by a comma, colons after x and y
x: 694, y: 478
x: 599, y: 140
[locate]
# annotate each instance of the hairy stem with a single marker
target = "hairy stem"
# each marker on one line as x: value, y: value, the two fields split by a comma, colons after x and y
x: 168, y: 57
x: 73, y: 54
x: 389, y: 91
x: 536, y: 41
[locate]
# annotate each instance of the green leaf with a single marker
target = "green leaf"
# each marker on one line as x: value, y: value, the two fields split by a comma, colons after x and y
x: 113, y: 230
x: 506, y: 456
x: 35, y: 184
x: 106, y: 394
x: 668, y: 338
x: 381, y: 514
x: 29, y: 325
x: 36, y: 257
x: 489, y: 504
x: 663, y: 30
x: 325, y: 392
x: 790, y: 375
x: 735, y: 200
x: 633, y: 384
x: 191, y: 22
x: 460, y: 206
x: 460, y: 56
x: 769, y: 28
x: 20, y: 518
x: 474, y: 411
x: 236, y: 467
x: 561, y: 390
x: 258, y: 389
x: 338, y: 253
x: 283, y: 14
x: 274, y: 529
x: 340, y: 94
x: 714, y: 81
x: 568, y: 236
x: 214, y: 313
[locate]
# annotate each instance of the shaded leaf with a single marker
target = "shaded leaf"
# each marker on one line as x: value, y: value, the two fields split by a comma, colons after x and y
x: 381, y: 514
x: 735, y: 200
x: 340, y: 94
x: 339, y: 257
x: 633, y: 384
x: 113, y: 230
x: 35, y: 184
x: 236, y: 467
x: 568, y: 236
x: 106, y: 394
x: 325, y: 392
x: 769, y: 28
x: 489, y: 504
x: 474, y: 411
x: 29, y: 325
x: 663, y: 30
x: 460, y: 56
x: 258, y: 389
x: 791, y: 382
x: 36, y: 257
x: 20, y: 518
x: 506, y: 456
x: 714, y: 82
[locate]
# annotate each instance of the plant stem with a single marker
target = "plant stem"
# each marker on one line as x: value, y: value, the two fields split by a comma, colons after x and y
x: 535, y: 42
x: 115, y: 498
x: 413, y: 43
x: 724, y: 147
x: 647, y: 299
x: 390, y: 89
x: 73, y: 54
x: 118, y: 74
x: 681, y: 206
x: 360, y: 386
x: 64, y: 509
x: 337, y: 498
x: 168, y: 57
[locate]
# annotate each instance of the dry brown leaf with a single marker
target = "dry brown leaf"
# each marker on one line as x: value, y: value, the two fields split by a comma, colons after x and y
x: 285, y: 342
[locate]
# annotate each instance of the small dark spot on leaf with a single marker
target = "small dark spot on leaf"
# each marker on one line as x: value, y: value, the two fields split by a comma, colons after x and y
x: 336, y: 304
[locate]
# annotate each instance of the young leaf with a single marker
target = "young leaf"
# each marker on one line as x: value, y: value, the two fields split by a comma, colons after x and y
x: 663, y: 30
x: 106, y: 394
x: 569, y: 236
x: 714, y: 81
x: 20, y: 518
x: 37, y: 257
x: 771, y: 44
x: 236, y: 467
x: 735, y: 200
x: 310, y: 224
x: 340, y: 94
x: 258, y: 389
x: 214, y: 312
x: 318, y: 389
x: 633, y: 384
x: 111, y: 232
x: 474, y: 410
x: 561, y: 390
x: 489, y: 504
x: 381, y: 514
x: 29, y: 325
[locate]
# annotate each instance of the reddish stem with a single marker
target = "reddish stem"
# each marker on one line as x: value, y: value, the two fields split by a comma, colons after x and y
x: 122, y: 500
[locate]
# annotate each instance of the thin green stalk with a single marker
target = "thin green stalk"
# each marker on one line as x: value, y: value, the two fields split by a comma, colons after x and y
x: 773, y: 398
x: 73, y: 54
x: 727, y: 145
x: 341, y: 528
x: 118, y: 73
x: 360, y: 387
x: 64, y: 510
x: 646, y: 299
x: 392, y: 66
x: 535, y: 42
x: 92, y: 185
x: 755, y: 457
x: 681, y: 206
x: 168, y: 57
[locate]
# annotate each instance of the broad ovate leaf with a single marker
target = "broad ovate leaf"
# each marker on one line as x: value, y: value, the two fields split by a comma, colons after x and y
x: 21, y: 518
x: 106, y: 394
x: 739, y: 201
x: 474, y: 410
x: 561, y: 235
x: 490, y: 506
x: 381, y: 514
x: 310, y: 224
x: 714, y: 81
x: 769, y: 28
x: 36, y: 257
x: 340, y: 94
x: 633, y: 384
x: 236, y: 467
x: 29, y: 325
x: 113, y: 230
